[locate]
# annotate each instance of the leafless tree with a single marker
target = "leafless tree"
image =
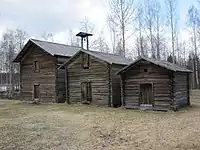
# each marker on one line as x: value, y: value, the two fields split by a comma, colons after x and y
x: 48, y: 37
x: 172, y: 19
x: 121, y: 14
x: 140, y: 41
x: 150, y: 24
x: 12, y: 42
x: 193, y: 22
x: 113, y: 34
x: 100, y: 43
x: 74, y: 40
x: 119, y: 47
x: 159, y: 39
x: 87, y: 26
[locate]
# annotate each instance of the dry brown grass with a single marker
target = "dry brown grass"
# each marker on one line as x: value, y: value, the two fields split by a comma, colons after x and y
x: 80, y: 127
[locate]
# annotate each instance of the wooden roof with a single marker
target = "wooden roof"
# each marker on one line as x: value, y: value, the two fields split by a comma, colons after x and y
x: 50, y: 47
x: 109, y: 58
x: 164, y: 64
x: 67, y: 50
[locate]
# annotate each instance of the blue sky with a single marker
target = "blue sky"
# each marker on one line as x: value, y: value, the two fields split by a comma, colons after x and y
x: 184, y: 5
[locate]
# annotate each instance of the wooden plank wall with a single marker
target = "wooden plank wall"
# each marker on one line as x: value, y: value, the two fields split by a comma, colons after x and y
x: 97, y: 74
x: 45, y: 78
x: 60, y: 80
x: 195, y: 97
x: 157, y: 76
x: 180, y: 89
x: 116, y: 85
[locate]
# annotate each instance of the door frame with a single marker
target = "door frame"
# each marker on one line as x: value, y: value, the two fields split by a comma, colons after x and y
x: 33, y: 93
x: 139, y: 86
x: 90, y: 84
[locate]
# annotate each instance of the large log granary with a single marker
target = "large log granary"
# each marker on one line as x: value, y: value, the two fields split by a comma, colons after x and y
x: 40, y: 79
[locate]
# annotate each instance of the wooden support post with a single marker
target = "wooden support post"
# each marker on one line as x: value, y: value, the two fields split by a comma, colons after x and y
x: 188, y: 88
x: 122, y: 90
x: 110, y: 98
x: 81, y: 42
x: 87, y: 43
x: 20, y: 81
x: 173, y: 90
x: 67, y: 85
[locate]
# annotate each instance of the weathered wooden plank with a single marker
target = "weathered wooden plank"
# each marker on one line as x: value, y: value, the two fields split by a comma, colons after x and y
x: 97, y: 74
x: 45, y: 77
x: 159, y: 77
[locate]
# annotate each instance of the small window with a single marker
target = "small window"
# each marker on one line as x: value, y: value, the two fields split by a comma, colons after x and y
x: 145, y: 70
x: 85, y: 59
x: 36, y: 91
x: 36, y: 66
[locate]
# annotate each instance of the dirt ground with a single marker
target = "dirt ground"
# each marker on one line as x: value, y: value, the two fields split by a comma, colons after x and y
x: 81, y: 127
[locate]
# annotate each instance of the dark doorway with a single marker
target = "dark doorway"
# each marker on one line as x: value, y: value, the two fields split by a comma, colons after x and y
x: 36, y: 91
x: 86, y: 92
x: 146, y: 94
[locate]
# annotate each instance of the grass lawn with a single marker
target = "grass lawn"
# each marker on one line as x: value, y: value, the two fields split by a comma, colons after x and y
x: 81, y: 127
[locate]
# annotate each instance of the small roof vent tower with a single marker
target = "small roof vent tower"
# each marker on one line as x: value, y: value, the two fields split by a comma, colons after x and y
x: 84, y: 36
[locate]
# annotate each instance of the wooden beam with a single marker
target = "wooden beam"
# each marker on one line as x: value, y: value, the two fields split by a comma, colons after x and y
x: 173, y: 90
x: 188, y: 88
x: 20, y: 80
x: 67, y: 85
x: 122, y: 90
x: 110, y: 100
x: 56, y: 79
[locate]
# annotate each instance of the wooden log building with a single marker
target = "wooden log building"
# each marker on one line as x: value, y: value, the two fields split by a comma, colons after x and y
x: 154, y: 84
x: 40, y: 78
x: 91, y: 77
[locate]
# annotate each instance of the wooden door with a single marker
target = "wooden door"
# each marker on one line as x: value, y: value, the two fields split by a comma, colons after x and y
x: 86, y: 93
x: 146, y: 94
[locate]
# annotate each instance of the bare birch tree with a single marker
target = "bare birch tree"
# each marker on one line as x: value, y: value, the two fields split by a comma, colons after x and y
x: 121, y: 14
x: 172, y: 19
x: 159, y: 39
x: 100, y: 43
x: 74, y: 40
x: 113, y: 34
x: 193, y: 22
x: 87, y: 26
x: 150, y: 24
x: 140, y: 41
x: 48, y: 37
x: 11, y: 43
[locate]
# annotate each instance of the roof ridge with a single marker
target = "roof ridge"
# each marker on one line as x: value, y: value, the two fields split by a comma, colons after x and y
x: 105, y: 53
x: 161, y: 60
x: 78, y: 47
x: 54, y: 43
x: 169, y: 63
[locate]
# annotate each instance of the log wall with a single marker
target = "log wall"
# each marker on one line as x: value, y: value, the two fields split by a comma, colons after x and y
x: 116, y: 88
x: 60, y: 80
x: 45, y: 78
x: 97, y: 74
x: 181, y: 89
x: 159, y: 78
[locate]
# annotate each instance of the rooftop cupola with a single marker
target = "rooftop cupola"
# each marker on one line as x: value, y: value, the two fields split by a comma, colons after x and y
x: 84, y: 37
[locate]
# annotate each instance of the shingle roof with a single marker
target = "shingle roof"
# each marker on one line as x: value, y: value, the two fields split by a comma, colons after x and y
x: 109, y: 58
x: 56, y: 48
x: 162, y: 63
x: 66, y: 50
x: 50, y: 47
